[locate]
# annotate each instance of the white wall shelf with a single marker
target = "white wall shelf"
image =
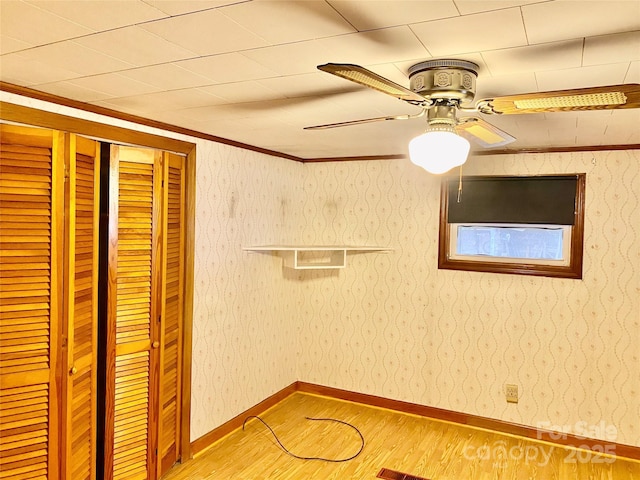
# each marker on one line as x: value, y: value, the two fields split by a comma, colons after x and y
x: 311, y: 257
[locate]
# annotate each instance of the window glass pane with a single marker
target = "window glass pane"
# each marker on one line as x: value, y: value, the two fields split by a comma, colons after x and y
x: 544, y: 243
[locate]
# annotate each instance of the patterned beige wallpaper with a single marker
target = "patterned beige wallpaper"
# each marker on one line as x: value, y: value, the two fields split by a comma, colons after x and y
x: 243, y: 333
x: 394, y: 325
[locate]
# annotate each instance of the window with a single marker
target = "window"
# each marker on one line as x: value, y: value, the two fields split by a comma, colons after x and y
x: 520, y: 225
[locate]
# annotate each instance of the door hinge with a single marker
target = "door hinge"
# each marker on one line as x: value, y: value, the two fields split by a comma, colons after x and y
x: 159, y: 318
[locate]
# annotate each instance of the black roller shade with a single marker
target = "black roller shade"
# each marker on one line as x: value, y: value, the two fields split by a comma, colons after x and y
x: 536, y: 200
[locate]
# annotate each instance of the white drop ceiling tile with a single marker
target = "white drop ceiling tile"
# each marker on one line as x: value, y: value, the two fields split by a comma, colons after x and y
x: 467, y: 7
x: 135, y: 46
x: 387, y: 45
x: 624, y: 117
x: 538, y: 138
x: 236, y: 130
x: 390, y: 13
x: 633, y: 73
x: 535, y: 58
x: 26, y: 22
x: 472, y: 33
x: 368, y: 103
x: 591, y: 138
x: 121, y: 107
x: 169, y: 100
x: 8, y: 44
x: 582, y: 77
x: 75, y: 57
x: 528, y: 121
x: 99, y: 15
x: 240, y: 92
x: 505, y: 123
x: 620, y: 47
x: 180, y: 7
x: 618, y: 130
x: 114, y: 85
x: 68, y: 89
x: 213, y: 112
x: 286, y: 21
x: 594, y: 123
x: 228, y: 67
x: 568, y: 19
x: 207, y: 33
x: 563, y: 137
x: 14, y: 68
x: 364, y: 48
x: 562, y: 120
x: 290, y: 59
x: 394, y: 71
x: 174, y: 117
x: 232, y: 130
x: 358, y: 140
x: 487, y: 87
x: 167, y: 76
x: 316, y: 83
x: 323, y: 111
x: 290, y: 110
x: 260, y: 122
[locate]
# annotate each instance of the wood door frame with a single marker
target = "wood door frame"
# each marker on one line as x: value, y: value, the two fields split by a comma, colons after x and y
x: 40, y: 118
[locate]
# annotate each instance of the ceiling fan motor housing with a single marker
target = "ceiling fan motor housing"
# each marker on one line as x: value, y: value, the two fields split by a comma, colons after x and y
x: 447, y: 79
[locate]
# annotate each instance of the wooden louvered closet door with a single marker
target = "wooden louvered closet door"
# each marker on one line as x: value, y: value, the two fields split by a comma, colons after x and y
x: 31, y: 234
x: 80, y: 357
x: 145, y: 312
x: 132, y: 351
x: 172, y: 311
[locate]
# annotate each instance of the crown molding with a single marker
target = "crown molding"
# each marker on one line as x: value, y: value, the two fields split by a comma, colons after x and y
x: 88, y: 107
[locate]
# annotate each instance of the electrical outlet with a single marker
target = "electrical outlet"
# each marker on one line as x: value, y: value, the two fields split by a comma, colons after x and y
x: 511, y: 392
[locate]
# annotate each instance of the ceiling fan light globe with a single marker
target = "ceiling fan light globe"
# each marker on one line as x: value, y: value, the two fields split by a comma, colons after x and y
x: 438, y: 152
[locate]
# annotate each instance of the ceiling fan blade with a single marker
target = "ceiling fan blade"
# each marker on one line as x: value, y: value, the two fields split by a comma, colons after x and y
x: 361, y: 75
x: 366, y: 120
x: 596, y: 98
x: 483, y: 133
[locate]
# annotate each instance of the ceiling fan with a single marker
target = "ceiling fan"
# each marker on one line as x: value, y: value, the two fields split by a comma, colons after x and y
x: 444, y: 88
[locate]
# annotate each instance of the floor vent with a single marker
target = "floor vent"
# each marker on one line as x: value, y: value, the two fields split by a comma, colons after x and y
x: 387, y: 474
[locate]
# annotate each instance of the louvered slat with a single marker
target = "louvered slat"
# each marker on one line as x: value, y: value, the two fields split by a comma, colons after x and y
x: 31, y: 196
x: 134, y: 251
x: 83, y: 194
x: 171, y: 356
x: 132, y: 307
x: 131, y: 416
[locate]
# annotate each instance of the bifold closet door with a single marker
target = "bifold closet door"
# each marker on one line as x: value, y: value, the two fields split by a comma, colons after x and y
x: 31, y: 236
x: 172, y: 311
x: 135, y: 181
x: 80, y: 349
x: 49, y: 256
x: 145, y: 312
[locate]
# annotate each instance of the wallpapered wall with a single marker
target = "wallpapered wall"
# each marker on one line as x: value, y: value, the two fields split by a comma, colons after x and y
x: 394, y: 325
x: 243, y: 334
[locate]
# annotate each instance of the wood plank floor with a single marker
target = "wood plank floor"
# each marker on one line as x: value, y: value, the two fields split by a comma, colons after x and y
x: 415, y: 445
